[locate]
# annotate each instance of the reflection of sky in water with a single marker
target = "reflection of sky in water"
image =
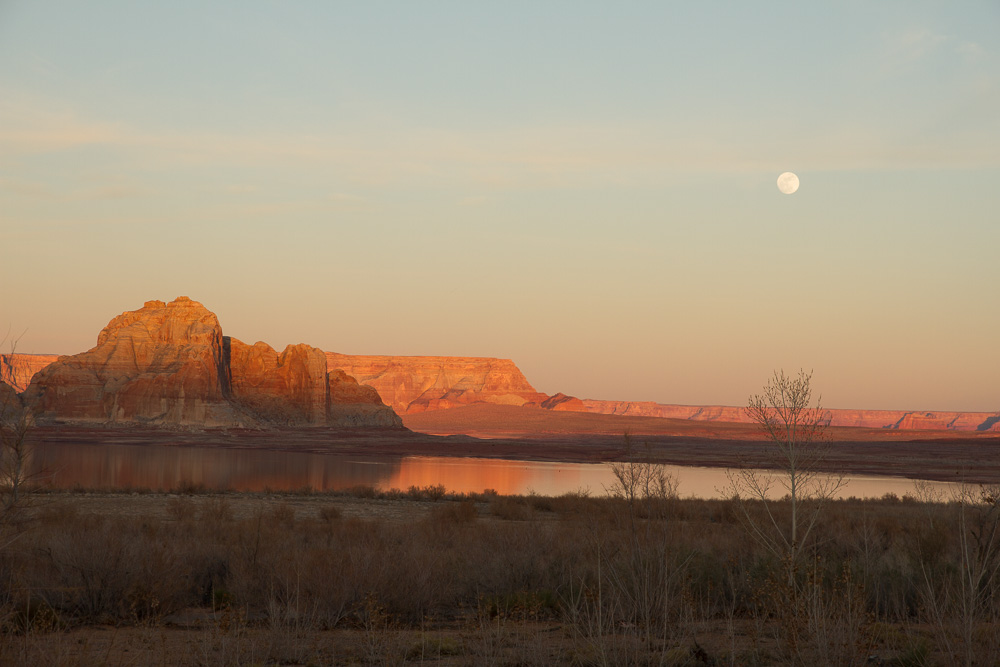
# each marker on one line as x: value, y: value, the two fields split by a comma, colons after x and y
x: 138, y: 466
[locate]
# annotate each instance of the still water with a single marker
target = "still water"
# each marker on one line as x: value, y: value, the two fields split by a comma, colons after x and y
x: 161, y: 468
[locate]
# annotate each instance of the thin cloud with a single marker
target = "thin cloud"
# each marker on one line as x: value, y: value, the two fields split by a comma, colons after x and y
x: 520, y: 158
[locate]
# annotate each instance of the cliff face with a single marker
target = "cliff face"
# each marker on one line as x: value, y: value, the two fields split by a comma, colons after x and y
x: 168, y: 363
x: 287, y: 388
x: 159, y: 364
x: 887, y: 419
x: 20, y: 368
x: 417, y: 384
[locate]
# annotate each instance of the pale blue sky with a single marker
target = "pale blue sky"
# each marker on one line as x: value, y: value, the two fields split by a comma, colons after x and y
x: 586, y: 188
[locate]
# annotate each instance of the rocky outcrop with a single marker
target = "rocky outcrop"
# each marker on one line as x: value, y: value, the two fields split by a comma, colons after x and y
x: 18, y: 369
x: 255, y: 382
x: 351, y: 403
x: 168, y: 363
x: 160, y: 364
x: 290, y: 388
x: 563, y: 403
x: 417, y: 384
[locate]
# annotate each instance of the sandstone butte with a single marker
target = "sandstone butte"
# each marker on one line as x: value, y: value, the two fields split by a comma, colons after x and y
x: 418, y: 384
x: 168, y: 363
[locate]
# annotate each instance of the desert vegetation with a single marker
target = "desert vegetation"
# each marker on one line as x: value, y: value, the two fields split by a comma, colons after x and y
x: 636, y: 576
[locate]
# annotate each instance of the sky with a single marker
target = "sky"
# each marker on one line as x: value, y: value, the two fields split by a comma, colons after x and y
x: 585, y: 188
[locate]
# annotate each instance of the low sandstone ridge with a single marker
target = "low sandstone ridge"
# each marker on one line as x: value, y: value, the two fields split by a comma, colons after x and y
x: 168, y: 363
x: 887, y: 419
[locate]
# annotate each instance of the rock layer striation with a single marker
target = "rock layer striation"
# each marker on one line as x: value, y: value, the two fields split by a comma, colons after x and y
x: 418, y: 384
x: 168, y: 363
x: 158, y: 366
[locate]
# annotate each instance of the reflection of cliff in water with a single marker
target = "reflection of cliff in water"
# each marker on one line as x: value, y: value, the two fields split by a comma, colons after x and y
x: 158, y: 468
x: 163, y: 468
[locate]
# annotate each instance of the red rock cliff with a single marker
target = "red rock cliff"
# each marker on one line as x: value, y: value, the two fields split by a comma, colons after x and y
x: 159, y: 364
x: 286, y: 388
x: 889, y: 419
x: 170, y: 364
x: 416, y: 384
x: 18, y: 369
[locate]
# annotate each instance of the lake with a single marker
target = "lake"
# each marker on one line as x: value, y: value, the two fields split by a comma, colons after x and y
x: 163, y: 468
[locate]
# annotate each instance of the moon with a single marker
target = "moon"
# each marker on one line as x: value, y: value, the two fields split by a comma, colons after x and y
x: 788, y: 183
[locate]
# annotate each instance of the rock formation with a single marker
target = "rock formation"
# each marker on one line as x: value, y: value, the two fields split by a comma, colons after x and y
x: 563, y: 403
x: 286, y: 388
x: 416, y: 384
x: 18, y: 369
x: 887, y: 419
x: 10, y: 402
x: 295, y: 388
x: 168, y: 363
x: 161, y: 364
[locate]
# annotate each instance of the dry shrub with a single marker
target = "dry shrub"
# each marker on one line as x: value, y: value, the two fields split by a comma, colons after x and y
x: 216, y: 511
x: 189, y: 488
x: 283, y: 514
x: 462, y: 511
x: 181, y: 509
x: 432, y: 492
x: 623, y: 585
x: 510, y: 508
x: 329, y: 513
x: 58, y: 512
x: 96, y: 569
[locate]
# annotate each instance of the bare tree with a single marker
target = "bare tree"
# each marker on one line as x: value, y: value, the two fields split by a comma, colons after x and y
x: 960, y: 592
x: 795, y: 448
x: 645, y: 486
x: 16, y: 421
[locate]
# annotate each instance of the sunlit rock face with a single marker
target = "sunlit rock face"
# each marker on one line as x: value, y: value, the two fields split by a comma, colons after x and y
x: 168, y: 363
x: 19, y: 368
x: 287, y: 388
x: 162, y: 363
x: 418, y: 384
x: 563, y: 403
x: 885, y: 419
x: 351, y: 404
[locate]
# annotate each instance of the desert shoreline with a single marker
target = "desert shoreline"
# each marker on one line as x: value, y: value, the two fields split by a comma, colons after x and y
x: 951, y: 457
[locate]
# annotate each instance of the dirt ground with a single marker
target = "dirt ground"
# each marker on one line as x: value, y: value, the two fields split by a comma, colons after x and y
x: 203, y: 637
x: 164, y: 506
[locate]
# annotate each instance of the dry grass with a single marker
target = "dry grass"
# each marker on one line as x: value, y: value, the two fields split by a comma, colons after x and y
x: 299, y: 578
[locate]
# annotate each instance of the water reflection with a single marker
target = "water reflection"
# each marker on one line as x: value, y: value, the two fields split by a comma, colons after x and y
x: 162, y: 468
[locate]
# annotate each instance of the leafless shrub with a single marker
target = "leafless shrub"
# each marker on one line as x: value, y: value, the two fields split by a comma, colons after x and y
x: 453, y: 512
x: 181, y: 509
x: 511, y: 509
x: 16, y: 422
x: 794, y: 429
